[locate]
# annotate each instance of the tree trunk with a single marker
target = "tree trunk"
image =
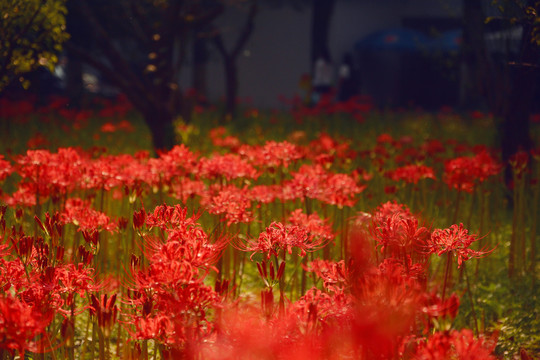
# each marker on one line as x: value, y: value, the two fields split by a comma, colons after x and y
x: 515, y: 128
x: 231, y: 87
x: 474, y: 62
x: 320, y: 27
x: 200, y: 59
x: 160, y: 124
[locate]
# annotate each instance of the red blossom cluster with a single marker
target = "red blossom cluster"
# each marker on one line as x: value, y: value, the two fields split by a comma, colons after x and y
x: 465, y: 173
x: 38, y: 284
x: 170, y: 301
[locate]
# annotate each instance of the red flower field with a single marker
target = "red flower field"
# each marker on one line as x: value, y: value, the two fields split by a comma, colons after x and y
x: 257, y: 245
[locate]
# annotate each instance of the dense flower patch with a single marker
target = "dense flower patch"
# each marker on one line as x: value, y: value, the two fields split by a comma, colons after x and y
x: 285, y: 249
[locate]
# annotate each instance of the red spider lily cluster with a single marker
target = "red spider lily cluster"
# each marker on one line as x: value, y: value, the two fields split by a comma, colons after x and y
x: 267, y: 251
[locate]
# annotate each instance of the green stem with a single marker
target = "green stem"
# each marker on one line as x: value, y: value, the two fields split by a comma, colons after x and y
x: 447, y: 273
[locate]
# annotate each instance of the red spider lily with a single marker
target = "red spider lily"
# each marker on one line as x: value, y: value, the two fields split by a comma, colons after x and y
x: 278, y: 237
x: 105, y: 310
x: 230, y: 201
x: 175, y: 163
x: 385, y: 310
x: 455, y: 240
x: 180, y: 305
x: 456, y: 345
x: 139, y: 218
x: 75, y: 279
x: 435, y: 307
x: 316, y: 227
x: 5, y: 168
x: 52, y: 226
x: 335, y: 275
x: 265, y: 194
x: 325, y: 144
x: 108, y: 128
x: 185, y: 238
x: 228, y: 166
x: 20, y: 323
x: 184, y: 188
x: 309, y: 181
x: 398, y: 233
x: 244, y: 334
x: 110, y: 171
x: 272, y: 154
x: 411, y: 173
x: 172, y: 285
x: 270, y: 276
x: 464, y: 173
x: 341, y: 190
x: 385, y: 139
x: 172, y: 217
x: 45, y: 174
x: 220, y: 138
x: 405, y: 268
x: 318, y: 311
x: 80, y: 213
x: 24, y: 196
x: 389, y: 209
x: 433, y: 147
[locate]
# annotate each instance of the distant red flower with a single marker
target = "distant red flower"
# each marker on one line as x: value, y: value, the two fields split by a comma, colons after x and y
x: 232, y: 202
x: 5, y: 168
x: 265, y: 193
x: 315, y: 226
x: 272, y: 154
x: 80, y: 213
x: 220, y: 138
x: 228, y: 166
x: 412, y: 173
x: 464, y: 173
x: 108, y: 128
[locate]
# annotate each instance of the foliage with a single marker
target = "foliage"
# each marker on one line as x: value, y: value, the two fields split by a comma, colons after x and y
x: 31, y: 36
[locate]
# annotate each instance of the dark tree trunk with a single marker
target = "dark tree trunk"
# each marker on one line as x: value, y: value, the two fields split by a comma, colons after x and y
x: 231, y: 85
x: 320, y: 27
x: 515, y: 129
x: 160, y: 123
x: 229, y: 60
x: 200, y: 59
x: 474, y: 61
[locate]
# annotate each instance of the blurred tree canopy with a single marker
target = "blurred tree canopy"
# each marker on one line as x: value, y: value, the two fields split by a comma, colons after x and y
x: 31, y: 36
